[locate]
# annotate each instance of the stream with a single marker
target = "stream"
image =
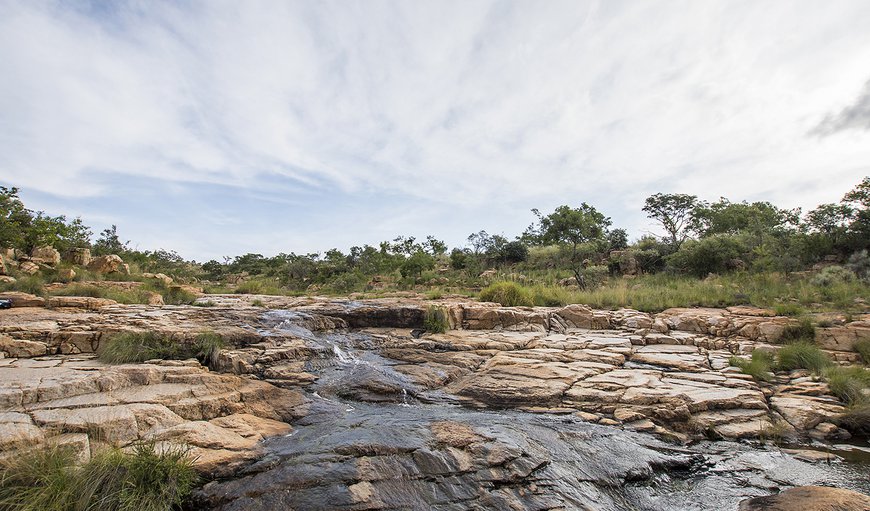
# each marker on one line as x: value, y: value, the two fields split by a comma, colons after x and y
x: 373, y: 440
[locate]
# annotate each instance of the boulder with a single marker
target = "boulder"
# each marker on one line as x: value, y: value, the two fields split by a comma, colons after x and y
x: 809, y: 498
x: 6, y: 279
x: 106, y: 264
x: 46, y: 255
x: 158, y: 276
x: 80, y: 256
x: 66, y: 274
x: 21, y: 348
x: 28, y: 267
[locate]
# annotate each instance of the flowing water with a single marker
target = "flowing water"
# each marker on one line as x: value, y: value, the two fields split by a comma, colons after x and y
x: 370, y: 441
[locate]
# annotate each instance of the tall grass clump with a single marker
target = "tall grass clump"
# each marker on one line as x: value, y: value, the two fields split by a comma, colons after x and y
x: 48, y: 479
x: 863, y: 349
x: 803, y: 331
x: 802, y: 355
x: 850, y: 384
x: 435, y: 320
x: 509, y: 294
x: 759, y: 366
x: 133, y: 347
x: 788, y: 309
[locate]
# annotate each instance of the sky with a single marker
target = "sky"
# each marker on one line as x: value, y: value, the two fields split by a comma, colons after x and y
x: 217, y: 128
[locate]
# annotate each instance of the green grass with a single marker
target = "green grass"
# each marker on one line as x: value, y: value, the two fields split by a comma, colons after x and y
x: 857, y: 419
x: 49, y: 479
x: 653, y: 293
x: 863, y: 349
x: 788, y: 309
x: 32, y: 284
x: 257, y: 287
x: 258, y: 303
x: 435, y: 320
x: 759, y: 366
x: 509, y: 294
x: 435, y: 294
x: 802, y: 355
x: 132, y: 347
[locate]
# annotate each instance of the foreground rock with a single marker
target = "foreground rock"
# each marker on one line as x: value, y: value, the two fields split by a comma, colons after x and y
x: 809, y: 498
x: 80, y: 401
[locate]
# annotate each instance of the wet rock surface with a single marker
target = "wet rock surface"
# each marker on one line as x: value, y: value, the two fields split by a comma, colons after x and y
x: 337, y: 404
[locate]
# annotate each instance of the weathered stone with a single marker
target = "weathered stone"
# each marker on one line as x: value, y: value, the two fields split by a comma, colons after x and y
x: 106, y: 264
x: 45, y: 255
x: 23, y: 299
x: 80, y: 256
x: 21, y: 348
x: 28, y: 267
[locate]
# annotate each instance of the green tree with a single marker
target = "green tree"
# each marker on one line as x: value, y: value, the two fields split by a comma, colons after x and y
x: 110, y: 243
x: 571, y: 228
x: 14, y: 218
x: 674, y: 212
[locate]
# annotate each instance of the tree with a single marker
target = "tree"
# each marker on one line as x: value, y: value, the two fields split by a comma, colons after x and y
x: 570, y: 228
x: 674, y: 212
x: 14, y: 218
x: 758, y: 219
x: 109, y: 242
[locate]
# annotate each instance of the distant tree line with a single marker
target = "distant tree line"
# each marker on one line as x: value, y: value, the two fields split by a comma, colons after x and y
x: 700, y: 238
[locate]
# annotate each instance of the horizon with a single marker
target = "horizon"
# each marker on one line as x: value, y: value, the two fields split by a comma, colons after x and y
x: 304, y: 127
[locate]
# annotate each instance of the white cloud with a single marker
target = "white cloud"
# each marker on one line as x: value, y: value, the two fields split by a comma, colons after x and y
x: 485, y: 107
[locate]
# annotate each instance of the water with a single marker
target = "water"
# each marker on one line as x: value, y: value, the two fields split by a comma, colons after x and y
x: 372, y: 440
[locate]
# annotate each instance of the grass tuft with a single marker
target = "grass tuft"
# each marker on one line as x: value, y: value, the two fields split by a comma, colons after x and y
x: 759, y: 366
x: 803, y: 331
x: 802, y: 355
x: 132, y: 347
x: 788, y: 309
x: 48, y: 479
x: 863, y: 349
x: 435, y: 320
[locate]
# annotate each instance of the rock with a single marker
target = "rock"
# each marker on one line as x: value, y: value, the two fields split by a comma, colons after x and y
x: 812, y: 456
x: 23, y: 299
x: 45, y: 255
x: 106, y: 264
x: 80, y: 302
x: 5, y: 279
x: 3, y: 270
x: 806, y: 412
x: 66, y: 274
x: 28, y: 267
x: 809, y: 498
x: 80, y: 256
x: 455, y: 434
x: 21, y: 348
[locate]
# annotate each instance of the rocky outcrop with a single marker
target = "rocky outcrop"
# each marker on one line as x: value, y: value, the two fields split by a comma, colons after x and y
x: 222, y: 418
x: 20, y: 299
x: 28, y: 267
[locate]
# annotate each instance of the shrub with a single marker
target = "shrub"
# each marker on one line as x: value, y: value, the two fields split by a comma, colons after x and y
x: 175, y: 295
x: 832, y: 275
x: 859, y: 264
x: 258, y: 303
x: 82, y: 290
x: 435, y: 320
x: 803, y: 331
x: 713, y: 254
x: 47, y: 479
x: 802, y: 355
x: 509, y: 294
x: 435, y: 294
x: 759, y: 366
x: 863, y: 349
x: 207, y: 303
x: 206, y: 348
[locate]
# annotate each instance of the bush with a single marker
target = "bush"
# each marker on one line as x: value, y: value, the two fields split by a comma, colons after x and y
x: 857, y: 419
x: 435, y: 320
x: 131, y: 347
x: 863, y: 349
x: 759, y: 366
x: 832, y: 275
x: 859, y: 264
x: 509, y: 294
x: 713, y: 254
x: 47, y: 479
x: 802, y: 355
x: 803, y: 331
